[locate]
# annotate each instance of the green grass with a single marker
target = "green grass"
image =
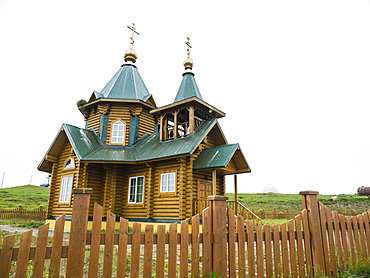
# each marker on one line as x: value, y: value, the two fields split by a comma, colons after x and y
x: 28, y: 196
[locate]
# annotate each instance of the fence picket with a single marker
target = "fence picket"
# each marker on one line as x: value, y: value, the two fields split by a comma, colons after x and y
x: 276, y: 247
x: 351, y: 240
x: 268, y: 250
x: 338, y: 241
x: 172, y: 250
x: 148, y: 251
x: 250, y: 248
x: 6, y: 255
x: 259, y: 250
x: 231, y: 243
x: 292, y: 249
x: 135, y: 250
x: 333, y: 260
x: 195, y: 246
x: 343, y: 231
x: 367, y: 231
x: 324, y: 239
x: 122, y: 248
x: 161, y: 235
x: 109, y: 245
x: 301, y: 266
x: 95, y: 241
x: 42, y: 241
x: 57, y: 247
x: 284, y: 249
x: 184, y: 251
x: 360, y: 221
x: 207, y: 257
x: 23, y: 254
x: 356, y: 238
x: 241, y: 246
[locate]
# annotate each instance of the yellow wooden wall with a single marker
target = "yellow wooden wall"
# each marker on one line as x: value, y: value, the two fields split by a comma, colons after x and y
x: 93, y: 121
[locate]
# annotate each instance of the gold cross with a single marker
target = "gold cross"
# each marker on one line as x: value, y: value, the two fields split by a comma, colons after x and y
x: 133, y: 29
x: 189, y: 46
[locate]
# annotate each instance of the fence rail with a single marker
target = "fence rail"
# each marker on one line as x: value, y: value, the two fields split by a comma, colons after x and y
x: 316, y: 241
x: 21, y: 213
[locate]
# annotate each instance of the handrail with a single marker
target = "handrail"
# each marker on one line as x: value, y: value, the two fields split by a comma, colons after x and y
x: 243, y: 210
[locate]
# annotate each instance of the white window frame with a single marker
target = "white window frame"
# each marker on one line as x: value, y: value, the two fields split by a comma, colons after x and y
x: 165, y: 185
x: 71, y: 165
x: 65, y: 189
x: 135, y: 199
x: 119, y: 138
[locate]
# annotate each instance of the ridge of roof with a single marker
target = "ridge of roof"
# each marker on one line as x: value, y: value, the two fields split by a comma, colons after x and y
x: 126, y: 84
x: 188, y: 88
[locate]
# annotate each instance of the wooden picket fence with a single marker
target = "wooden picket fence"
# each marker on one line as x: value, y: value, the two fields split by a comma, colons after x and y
x: 317, y: 241
x: 21, y: 213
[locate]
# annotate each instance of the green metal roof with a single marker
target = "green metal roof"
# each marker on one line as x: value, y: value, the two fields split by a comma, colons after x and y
x: 215, y: 157
x: 125, y: 84
x: 188, y: 88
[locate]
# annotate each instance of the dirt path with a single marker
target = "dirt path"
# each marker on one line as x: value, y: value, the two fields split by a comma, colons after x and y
x: 19, y: 230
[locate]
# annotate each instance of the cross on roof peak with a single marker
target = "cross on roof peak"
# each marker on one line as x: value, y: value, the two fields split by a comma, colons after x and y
x: 133, y: 29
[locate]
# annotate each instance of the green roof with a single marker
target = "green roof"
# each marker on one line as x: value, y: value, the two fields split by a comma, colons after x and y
x: 188, y: 88
x: 215, y: 157
x: 125, y: 84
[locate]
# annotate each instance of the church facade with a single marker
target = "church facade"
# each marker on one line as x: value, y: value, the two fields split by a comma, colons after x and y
x: 142, y: 162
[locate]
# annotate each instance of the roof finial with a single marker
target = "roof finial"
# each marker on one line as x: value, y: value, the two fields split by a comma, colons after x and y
x: 130, y: 54
x: 188, y: 63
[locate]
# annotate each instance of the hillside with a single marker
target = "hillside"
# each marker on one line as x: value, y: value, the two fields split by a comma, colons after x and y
x: 293, y: 202
x: 27, y: 196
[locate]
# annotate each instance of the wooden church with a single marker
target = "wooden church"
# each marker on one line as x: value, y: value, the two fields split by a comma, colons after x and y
x: 143, y: 162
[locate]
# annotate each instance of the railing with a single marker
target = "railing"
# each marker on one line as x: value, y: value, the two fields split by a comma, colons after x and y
x: 21, y: 213
x: 242, y: 210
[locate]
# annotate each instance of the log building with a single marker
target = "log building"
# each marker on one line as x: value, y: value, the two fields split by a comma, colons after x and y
x: 143, y: 162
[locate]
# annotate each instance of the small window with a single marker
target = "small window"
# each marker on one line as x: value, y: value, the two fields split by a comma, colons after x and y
x: 168, y: 182
x: 65, y: 189
x: 136, y: 190
x: 118, y: 132
x: 69, y: 163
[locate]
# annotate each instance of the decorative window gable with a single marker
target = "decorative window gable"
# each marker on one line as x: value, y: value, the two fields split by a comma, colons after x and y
x: 118, y: 132
x: 69, y: 164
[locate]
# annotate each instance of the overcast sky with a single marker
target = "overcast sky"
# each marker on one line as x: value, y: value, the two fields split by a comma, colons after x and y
x: 291, y: 76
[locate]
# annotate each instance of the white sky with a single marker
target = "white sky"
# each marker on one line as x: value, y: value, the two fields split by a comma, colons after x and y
x: 291, y: 76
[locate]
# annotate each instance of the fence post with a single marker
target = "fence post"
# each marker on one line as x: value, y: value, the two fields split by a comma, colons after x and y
x: 217, y: 205
x: 77, y: 238
x: 310, y: 202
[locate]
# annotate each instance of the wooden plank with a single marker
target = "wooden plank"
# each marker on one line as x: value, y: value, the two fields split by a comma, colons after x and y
x: 42, y: 240
x: 259, y: 250
x: 360, y: 221
x: 343, y: 232
x: 231, y: 243
x: 333, y: 260
x: 184, y: 251
x: 206, y: 252
x: 292, y: 249
x: 109, y: 245
x: 241, y: 246
x: 298, y: 227
x: 324, y: 239
x: 351, y: 240
x: 122, y: 248
x: 135, y: 250
x: 172, y: 250
x: 57, y: 247
x: 268, y: 251
x: 338, y: 244
x: 356, y: 237
x: 95, y: 241
x: 6, y: 255
x: 24, y: 251
x: 161, y: 233
x: 250, y: 249
x: 367, y: 231
x: 148, y: 251
x: 195, y: 246
x: 284, y: 249
x: 276, y: 248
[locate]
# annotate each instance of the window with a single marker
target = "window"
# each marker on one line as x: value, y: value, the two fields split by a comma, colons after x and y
x: 168, y: 182
x: 65, y: 189
x: 69, y: 163
x: 136, y: 190
x: 118, y: 132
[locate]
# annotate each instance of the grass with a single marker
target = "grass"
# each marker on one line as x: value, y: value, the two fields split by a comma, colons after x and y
x: 30, y: 197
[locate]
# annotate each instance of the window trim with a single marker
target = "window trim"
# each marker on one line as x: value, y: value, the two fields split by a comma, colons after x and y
x: 70, y: 168
x: 129, y: 191
x: 160, y: 182
x: 124, y: 132
x: 68, y: 202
